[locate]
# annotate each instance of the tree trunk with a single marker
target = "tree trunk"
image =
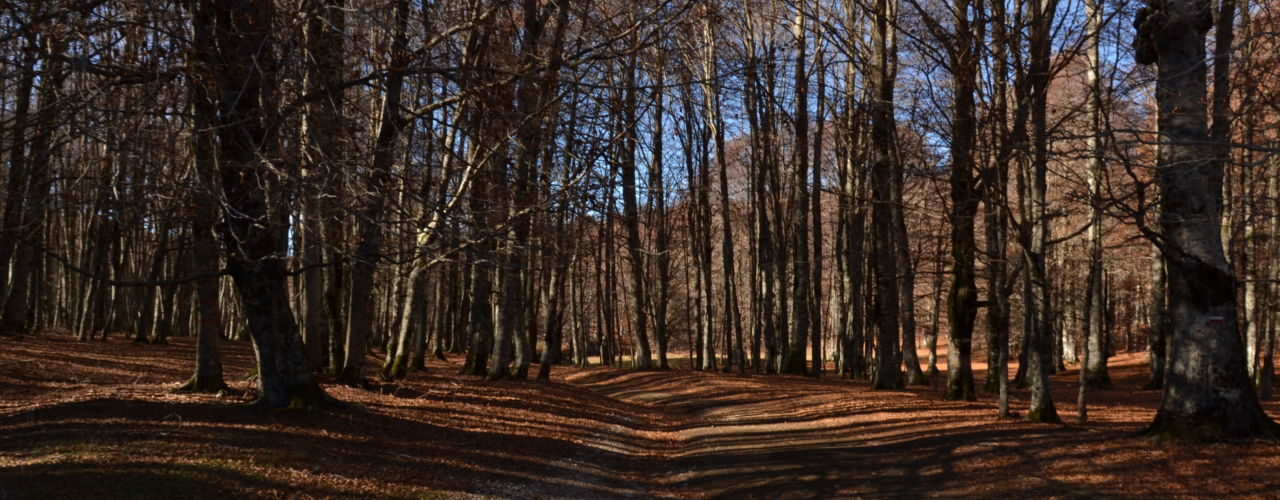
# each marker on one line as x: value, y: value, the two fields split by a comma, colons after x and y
x: 32, y: 178
x: 794, y: 361
x: 1095, y: 367
x: 1207, y: 393
x: 369, y: 249
x: 1040, y: 335
x: 19, y: 182
x: 642, y: 358
x: 240, y: 61
x: 962, y: 298
x: 715, y: 121
x: 662, y: 235
x: 322, y: 154
x: 816, y: 323
x: 204, y: 245
x: 396, y: 365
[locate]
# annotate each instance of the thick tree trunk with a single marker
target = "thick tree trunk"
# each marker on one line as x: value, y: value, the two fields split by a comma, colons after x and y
x: 19, y: 182
x: 242, y: 29
x: 1207, y: 393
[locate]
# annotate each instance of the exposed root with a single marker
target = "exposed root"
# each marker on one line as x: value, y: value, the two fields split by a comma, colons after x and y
x: 1046, y: 415
x: 196, y: 384
x: 1210, y: 429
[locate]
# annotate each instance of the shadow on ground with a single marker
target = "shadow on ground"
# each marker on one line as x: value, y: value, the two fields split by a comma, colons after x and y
x: 95, y: 420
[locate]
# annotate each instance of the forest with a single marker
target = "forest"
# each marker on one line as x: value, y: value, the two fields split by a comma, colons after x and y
x: 638, y: 248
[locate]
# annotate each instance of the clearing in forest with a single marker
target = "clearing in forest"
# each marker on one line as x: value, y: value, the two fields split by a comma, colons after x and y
x: 96, y: 420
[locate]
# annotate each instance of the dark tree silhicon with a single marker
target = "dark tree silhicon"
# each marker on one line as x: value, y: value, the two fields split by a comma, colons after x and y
x: 884, y: 169
x: 243, y: 38
x: 962, y: 296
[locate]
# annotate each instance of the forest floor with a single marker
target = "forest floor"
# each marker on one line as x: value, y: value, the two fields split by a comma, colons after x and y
x: 98, y: 420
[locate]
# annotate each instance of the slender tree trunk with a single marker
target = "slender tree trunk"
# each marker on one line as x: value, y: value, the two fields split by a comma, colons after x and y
x: 715, y: 123
x: 322, y: 155
x: 396, y: 365
x: 369, y: 249
x: 642, y: 358
x: 907, y: 287
x: 816, y: 323
x: 204, y: 245
x: 1095, y: 367
x: 662, y: 234
x: 935, y: 312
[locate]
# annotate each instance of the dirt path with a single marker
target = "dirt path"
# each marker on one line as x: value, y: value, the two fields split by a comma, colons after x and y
x: 723, y: 436
x: 96, y: 420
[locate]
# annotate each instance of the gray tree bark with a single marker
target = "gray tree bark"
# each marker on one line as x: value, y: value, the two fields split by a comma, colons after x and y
x: 1095, y: 367
x: 1207, y: 393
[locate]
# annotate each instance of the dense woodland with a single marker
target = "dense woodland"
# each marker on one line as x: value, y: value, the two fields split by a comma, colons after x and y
x: 817, y: 187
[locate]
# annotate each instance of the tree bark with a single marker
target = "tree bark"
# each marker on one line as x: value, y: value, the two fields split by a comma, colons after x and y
x: 240, y: 61
x: 204, y: 244
x: 1040, y: 335
x: 642, y: 357
x: 884, y: 170
x: 369, y: 249
x: 1095, y: 366
x: 794, y: 360
x: 1207, y: 393
x: 962, y: 297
